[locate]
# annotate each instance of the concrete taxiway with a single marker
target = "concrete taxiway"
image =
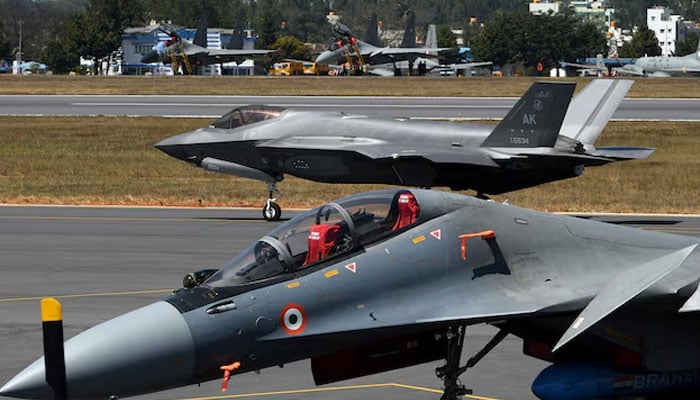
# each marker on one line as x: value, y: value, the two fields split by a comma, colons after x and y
x: 408, y: 107
x: 102, y: 261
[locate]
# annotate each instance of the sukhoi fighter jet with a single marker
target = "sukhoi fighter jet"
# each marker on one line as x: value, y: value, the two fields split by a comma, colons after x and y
x: 388, y: 279
x: 538, y: 141
x: 176, y: 50
x: 664, y: 66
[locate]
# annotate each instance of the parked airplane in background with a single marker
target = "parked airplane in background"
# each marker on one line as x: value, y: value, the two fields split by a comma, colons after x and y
x: 389, y: 279
x: 661, y: 66
x: 348, y: 46
x: 598, y: 69
x: 194, y: 54
x: 538, y: 141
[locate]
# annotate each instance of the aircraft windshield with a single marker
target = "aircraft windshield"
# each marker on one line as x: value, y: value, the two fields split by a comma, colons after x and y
x: 320, y: 234
x: 245, y: 116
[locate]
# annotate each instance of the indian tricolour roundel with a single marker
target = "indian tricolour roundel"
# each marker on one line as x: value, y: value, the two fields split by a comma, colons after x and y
x: 293, y: 319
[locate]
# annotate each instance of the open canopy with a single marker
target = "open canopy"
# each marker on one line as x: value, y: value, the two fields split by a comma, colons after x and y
x: 323, y: 233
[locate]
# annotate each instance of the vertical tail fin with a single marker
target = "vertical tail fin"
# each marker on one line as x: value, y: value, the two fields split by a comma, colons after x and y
x: 372, y: 36
x: 535, y: 119
x: 600, y: 63
x: 431, y: 37
x: 409, y: 35
x: 592, y: 107
x: 237, y: 37
x: 200, y: 37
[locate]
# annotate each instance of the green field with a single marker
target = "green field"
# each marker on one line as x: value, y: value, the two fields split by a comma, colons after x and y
x: 110, y: 160
x: 310, y: 86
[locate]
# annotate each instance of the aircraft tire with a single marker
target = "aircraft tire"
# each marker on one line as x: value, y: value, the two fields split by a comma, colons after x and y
x: 272, y: 213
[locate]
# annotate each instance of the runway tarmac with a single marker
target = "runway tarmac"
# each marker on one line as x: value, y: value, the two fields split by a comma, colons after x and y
x: 102, y: 261
x: 408, y: 107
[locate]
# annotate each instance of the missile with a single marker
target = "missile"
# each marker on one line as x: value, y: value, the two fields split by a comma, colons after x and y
x: 585, y: 381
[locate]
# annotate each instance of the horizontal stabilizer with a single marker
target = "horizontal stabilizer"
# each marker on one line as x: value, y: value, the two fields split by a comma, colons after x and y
x: 624, y: 153
x: 592, y: 107
x: 534, y: 121
x: 621, y: 289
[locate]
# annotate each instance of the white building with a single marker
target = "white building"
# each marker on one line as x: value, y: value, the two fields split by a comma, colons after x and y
x: 666, y: 27
x: 543, y: 8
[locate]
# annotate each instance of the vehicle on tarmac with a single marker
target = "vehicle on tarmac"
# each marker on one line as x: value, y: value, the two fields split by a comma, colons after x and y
x: 287, y: 68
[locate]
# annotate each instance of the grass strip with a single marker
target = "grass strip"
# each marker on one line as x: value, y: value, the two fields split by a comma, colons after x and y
x: 111, y: 160
x: 315, y: 86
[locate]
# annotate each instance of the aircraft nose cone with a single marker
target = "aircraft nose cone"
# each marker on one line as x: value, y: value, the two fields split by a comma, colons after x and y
x: 174, y: 146
x: 146, y: 350
x: 325, y: 57
x: 150, y: 57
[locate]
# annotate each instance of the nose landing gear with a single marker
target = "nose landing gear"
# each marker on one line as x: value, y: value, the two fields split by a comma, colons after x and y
x: 271, y: 211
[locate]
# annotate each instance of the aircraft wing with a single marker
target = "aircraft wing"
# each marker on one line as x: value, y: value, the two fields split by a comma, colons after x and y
x: 377, y: 149
x: 681, y: 70
x: 450, y: 67
x: 227, y: 55
x: 406, y: 53
x: 629, y: 71
x: 501, y: 304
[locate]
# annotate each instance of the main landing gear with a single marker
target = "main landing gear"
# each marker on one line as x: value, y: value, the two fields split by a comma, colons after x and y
x: 450, y: 372
x: 271, y: 211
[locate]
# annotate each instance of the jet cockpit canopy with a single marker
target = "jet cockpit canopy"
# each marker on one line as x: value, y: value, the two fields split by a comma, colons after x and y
x: 246, y: 115
x: 324, y: 233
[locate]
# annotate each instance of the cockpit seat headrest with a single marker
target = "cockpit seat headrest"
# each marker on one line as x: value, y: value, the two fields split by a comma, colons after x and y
x: 321, y: 240
x: 408, y: 211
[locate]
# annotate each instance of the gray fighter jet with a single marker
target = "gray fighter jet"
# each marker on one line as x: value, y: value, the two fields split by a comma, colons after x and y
x: 195, y: 53
x: 661, y: 66
x: 537, y: 142
x: 350, y: 47
x: 388, y: 279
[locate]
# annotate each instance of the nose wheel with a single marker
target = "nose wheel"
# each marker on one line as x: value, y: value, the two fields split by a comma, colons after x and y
x: 271, y: 211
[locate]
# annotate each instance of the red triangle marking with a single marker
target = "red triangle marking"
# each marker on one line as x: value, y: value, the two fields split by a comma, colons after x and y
x: 352, y: 267
x: 437, y: 234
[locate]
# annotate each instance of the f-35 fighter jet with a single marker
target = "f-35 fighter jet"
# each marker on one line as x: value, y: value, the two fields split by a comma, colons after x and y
x: 389, y: 279
x: 542, y: 139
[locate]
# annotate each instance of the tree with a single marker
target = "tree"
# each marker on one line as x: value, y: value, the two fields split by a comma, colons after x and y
x: 517, y: 37
x: 590, y: 40
x: 644, y: 43
x: 445, y: 37
x: 5, y: 44
x: 59, y: 57
x: 267, y: 29
x: 689, y: 46
x: 290, y: 47
x: 96, y: 32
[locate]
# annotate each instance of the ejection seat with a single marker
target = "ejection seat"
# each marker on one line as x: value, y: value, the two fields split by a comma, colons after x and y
x: 408, y: 211
x: 321, y: 240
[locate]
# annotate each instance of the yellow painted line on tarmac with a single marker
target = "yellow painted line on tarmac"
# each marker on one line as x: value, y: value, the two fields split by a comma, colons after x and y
x: 439, y: 391
x: 77, y: 296
x: 331, y: 389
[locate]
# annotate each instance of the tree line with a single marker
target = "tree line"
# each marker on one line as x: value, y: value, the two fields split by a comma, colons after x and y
x: 58, y: 32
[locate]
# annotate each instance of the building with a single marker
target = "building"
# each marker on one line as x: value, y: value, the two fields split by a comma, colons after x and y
x: 588, y: 10
x: 537, y: 7
x: 667, y: 27
x: 594, y: 11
